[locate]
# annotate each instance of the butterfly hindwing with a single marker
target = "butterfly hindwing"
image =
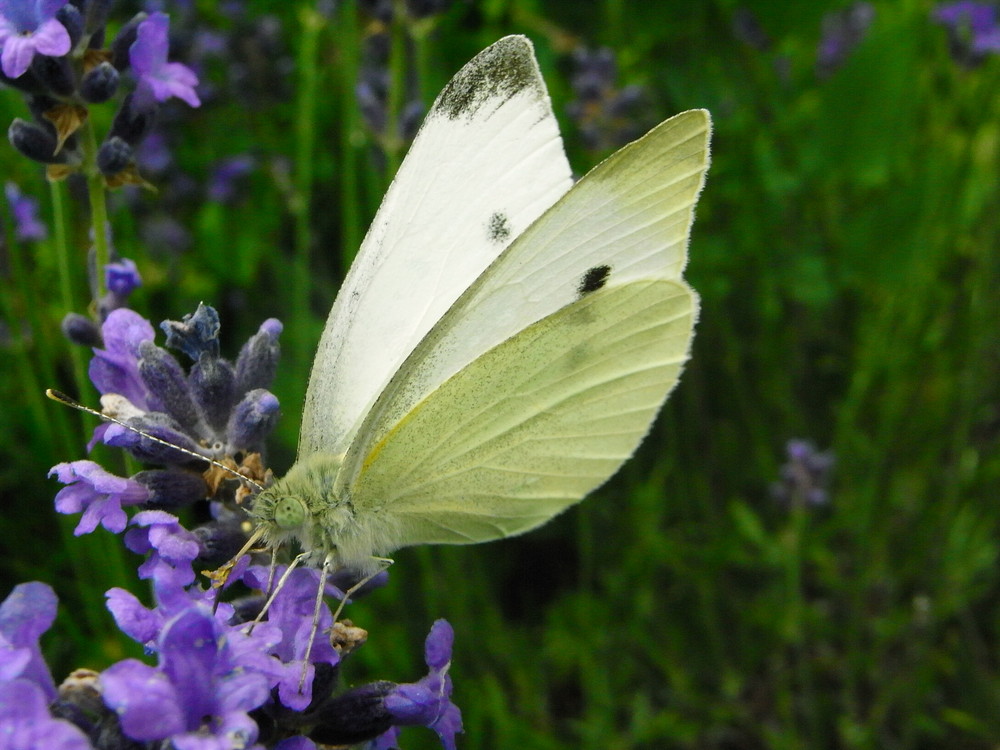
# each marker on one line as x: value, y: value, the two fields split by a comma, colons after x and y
x: 534, y: 424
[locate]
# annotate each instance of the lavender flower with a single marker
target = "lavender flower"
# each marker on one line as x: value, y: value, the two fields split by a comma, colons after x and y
x: 805, y: 476
x: 26, y: 686
x: 376, y: 711
x: 219, y: 682
x: 97, y: 494
x: 842, y: 32
x: 27, y: 227
x: 148, y: 55
x: 199, y: 692
x: 27, y: 28
x: 26, y: 723
x: 973, y: 30
x: 227, y: 177
x: 427, y: 702
x: 604, y: 113
x: 27, y: 612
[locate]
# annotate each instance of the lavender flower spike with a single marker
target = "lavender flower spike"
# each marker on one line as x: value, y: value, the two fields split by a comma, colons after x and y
x: 148, y: 55
x: 428, y: 701
x: 30, y: 27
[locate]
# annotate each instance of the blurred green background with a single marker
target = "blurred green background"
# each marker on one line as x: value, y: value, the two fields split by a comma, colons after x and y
x: 845, y: 251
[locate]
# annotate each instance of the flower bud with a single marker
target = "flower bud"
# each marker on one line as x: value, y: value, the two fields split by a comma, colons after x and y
x: 55, y: 73
x: 113, y: 156
x: 100, y: 83
x: 69, y: 16
x: 123, y: 40
x: 166, y: 382
x: 134, y: 120
x: 196, y: 334
x: 171, y: 489
x: 81, y: 330
x: 220, y: 540
x: 137, y: 442
x: 97, y: 16
x: 213, y: 381
x: 354, y: 716
x: 253, y: 419
x: 35, y: 141
x: 258, y: 360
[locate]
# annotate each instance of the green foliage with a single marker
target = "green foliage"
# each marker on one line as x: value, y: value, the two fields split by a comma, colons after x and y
x: 846, y: 254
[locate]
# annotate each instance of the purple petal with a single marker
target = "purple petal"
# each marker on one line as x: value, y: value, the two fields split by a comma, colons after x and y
x: 146, y: 702
x: 25, y: 721
x: 18, y: 52
x: 437, y: 647
x: 27, y: 612
x: 52, y: 39
x: 133, y: 619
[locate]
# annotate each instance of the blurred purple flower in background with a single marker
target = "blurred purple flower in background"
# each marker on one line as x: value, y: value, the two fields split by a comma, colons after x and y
x: 805, y: 476
x: 24, y: 209
x: 973, y: 30
x: 842, y: 32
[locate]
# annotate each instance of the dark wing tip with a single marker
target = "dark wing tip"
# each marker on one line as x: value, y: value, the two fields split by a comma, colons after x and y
x: 500, y: 71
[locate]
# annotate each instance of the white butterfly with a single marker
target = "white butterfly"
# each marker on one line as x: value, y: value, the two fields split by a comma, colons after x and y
x: 504, y: 338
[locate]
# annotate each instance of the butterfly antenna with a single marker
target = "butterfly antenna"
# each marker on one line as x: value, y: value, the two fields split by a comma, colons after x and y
x: 65, y: 400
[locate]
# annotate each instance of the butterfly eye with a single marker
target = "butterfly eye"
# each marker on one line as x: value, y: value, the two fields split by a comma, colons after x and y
x: 289, y: 513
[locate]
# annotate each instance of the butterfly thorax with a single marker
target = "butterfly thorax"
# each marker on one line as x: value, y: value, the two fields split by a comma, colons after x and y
x: 310, y: 507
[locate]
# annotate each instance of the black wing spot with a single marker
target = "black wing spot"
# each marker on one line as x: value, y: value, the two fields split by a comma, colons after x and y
x: 498, y: 228
x: 594, y: 279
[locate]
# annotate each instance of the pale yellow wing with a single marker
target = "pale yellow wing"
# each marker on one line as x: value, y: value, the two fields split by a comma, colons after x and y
x: 535, y: 423
x: 629, y: 219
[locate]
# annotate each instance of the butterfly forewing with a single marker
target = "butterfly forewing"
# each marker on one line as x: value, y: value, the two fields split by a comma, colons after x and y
x: 487, y: 161
x: 534, y: 424
x: 628, y: 220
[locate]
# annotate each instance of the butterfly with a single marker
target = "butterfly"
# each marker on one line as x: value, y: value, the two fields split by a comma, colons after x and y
x: 504, y: 338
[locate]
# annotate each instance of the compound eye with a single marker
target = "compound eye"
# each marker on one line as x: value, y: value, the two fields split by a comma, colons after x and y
x: 289, y: 513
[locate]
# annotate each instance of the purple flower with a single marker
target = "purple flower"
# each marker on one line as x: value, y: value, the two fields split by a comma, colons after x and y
x: 25, y: 211
x: 173, y: 547
x: 115, y: 368
x: 28, y: 27
x: 27, y: 612
x: 292, y: 612
x: 227, y: 177
x: 198, y: 696
x: 842, y: 32
x: 148, y: 55
x: 805, y: 476
x: 26, y: 724
x: 98, y: 494
x: 973, y: 29
x: 122, y: 277
x: 428, y: 701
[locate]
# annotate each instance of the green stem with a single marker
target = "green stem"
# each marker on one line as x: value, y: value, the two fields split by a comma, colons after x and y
x: 393, y: 142
x: 98, y: 206
x: 65, y: 266
x: 351, y: 135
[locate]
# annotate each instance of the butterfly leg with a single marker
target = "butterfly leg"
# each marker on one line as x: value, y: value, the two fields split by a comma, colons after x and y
x: 384, y: 563
x: 281, y: 582
x: 323, y: 575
